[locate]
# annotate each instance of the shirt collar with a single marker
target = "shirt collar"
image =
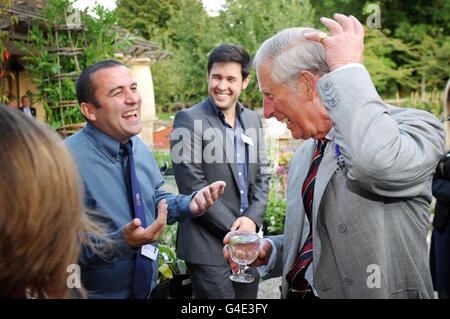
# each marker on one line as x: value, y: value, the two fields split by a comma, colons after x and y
x: 219, y: 113
x: 105, y: 143
x: 331, y: 134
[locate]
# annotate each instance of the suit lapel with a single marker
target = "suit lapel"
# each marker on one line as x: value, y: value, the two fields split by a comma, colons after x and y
x: 326, y: 170
x: 251, y: 169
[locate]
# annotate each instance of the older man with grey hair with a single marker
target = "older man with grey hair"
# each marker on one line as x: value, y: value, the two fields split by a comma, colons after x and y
x: 359, y: 188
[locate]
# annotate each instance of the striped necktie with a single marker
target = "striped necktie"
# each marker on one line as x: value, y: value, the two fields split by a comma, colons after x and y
x: 298, y: 285
x: 143, y: 269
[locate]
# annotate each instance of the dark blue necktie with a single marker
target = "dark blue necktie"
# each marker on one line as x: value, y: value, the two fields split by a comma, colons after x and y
x: 143, y: 269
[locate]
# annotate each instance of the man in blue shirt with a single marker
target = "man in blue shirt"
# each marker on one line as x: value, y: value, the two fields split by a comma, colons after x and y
x: 111, y: 103
x: 228, y: 143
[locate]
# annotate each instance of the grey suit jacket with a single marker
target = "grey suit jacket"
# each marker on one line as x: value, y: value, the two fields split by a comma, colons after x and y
x: 371, y: 219
x: 197, y: 134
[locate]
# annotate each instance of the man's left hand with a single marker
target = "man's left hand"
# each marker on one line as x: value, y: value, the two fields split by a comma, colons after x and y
x: 244, y: 223
x: 206, y: 197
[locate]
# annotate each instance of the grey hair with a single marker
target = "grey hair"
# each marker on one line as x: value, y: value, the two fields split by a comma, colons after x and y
x: 291, y: 53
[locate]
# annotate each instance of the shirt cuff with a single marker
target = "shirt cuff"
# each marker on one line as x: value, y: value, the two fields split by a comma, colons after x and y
x: 349, y: 65
x: 265, y: 270
x: 183, y: 207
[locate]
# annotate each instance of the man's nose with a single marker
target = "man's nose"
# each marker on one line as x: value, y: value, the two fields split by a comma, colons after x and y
x: 267, y: 108
x: 222, y: 85
x: 132, y: 97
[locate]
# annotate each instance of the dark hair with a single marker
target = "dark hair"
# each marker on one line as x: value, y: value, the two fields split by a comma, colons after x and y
x: 231, y: 53
x: 85, y: 88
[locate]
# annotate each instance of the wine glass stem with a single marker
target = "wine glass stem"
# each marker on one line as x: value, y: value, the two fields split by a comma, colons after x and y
x: 241, y: 269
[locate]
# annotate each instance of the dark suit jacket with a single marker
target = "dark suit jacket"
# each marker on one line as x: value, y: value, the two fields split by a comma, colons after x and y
x: 441, y: 190
x: 32, y: 109
x: 198, y: 131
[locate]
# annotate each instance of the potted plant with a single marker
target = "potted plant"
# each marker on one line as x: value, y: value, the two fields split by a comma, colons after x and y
x: 173, y: 280
x: 165, y: 273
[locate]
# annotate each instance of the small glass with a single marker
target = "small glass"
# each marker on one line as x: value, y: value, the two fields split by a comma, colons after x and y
x: 243, y: 248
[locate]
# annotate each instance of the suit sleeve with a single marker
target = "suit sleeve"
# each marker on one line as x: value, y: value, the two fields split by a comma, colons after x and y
x: 189, y: 174
x: 389, y: 151
x: 277, y: 267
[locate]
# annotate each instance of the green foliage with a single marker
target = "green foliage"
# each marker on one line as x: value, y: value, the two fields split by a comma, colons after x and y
x: 168, y: 262
x: 379, y: 53
x: 276, y: 203
x: 145, y: 18
x: 249, y: 23
x: 190, y: 33
x: 6, y: 19
x: 435, y: 107
x: 100, y: 41
x: 162, y: 158
x: 411, y: 50
x: 276, y: 208
x: 165, y: 116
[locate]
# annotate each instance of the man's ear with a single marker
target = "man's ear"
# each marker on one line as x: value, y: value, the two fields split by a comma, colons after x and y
x: 309, y: 84
x: 89, y: 111
x: 246, y: 82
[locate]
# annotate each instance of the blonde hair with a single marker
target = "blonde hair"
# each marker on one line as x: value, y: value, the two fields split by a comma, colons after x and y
x: 42, y: 218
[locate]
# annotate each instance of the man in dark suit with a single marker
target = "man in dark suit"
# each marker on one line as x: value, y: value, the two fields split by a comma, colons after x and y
x: 219, y: 138
x: 440, y: 240
x: 26, y: 106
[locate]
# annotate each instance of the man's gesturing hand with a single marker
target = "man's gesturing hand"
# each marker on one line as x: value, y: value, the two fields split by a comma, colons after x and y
x: 206, y: 197
x: 135, y: 235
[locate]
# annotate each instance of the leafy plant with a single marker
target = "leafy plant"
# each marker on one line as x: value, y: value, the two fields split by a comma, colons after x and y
x: 98, y: 42
x: 4, y: 37
x: 168, y: 262
x: 276, y: 209
x: 435, y: 107
x: 163, y: 159
x: 276, y: 203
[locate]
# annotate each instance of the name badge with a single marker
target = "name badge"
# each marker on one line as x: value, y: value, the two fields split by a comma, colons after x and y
x: 247, y: 139
x: 149, y: 251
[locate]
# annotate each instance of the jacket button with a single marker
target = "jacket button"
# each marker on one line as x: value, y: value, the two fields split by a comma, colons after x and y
x: 342, y: 228
x: 326, y: 85
x: 347, y: 281
x: 332, y: 103
x: 329, y: 93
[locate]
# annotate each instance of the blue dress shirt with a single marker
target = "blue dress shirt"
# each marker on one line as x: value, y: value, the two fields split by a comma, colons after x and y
x: 102, y: 165
x: 240, y: 150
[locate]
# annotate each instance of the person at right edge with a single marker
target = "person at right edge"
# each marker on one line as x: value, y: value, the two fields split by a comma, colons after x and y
x: 440, y: 239
x: 362, y: 178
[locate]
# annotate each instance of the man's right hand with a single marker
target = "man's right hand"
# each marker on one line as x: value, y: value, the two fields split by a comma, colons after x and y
x: 135, y: 235
x: 345, y: 44
x: 265, y: 250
